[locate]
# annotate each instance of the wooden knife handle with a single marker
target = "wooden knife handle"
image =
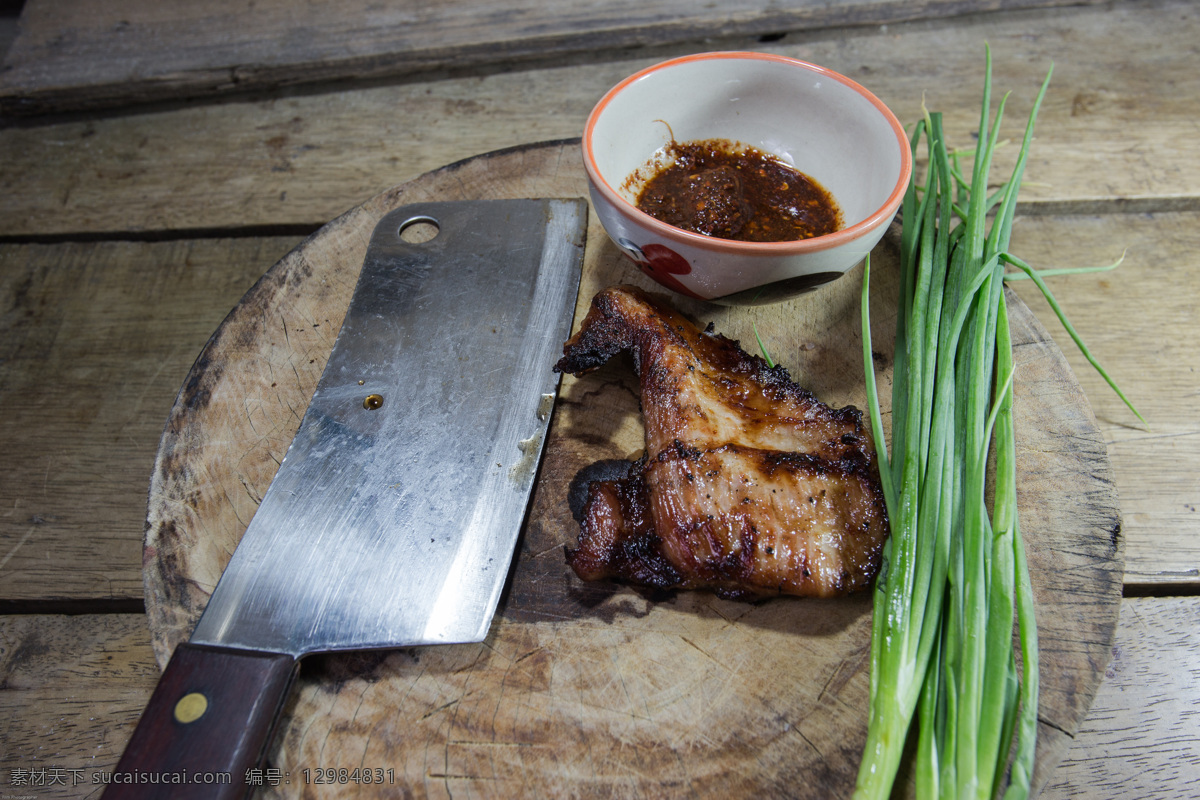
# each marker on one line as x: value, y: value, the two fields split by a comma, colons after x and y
x: 207, y: 725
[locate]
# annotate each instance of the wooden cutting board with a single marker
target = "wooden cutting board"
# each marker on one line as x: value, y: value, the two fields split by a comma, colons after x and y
x: 597, y: 690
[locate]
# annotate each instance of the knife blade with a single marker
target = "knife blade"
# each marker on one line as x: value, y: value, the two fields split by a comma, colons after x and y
x: 392, y: 519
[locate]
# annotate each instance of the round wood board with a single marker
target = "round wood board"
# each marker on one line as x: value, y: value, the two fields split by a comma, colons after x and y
x: 596, y: 690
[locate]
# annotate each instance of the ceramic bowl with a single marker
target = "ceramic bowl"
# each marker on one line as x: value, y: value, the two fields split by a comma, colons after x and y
x: 821, y: 123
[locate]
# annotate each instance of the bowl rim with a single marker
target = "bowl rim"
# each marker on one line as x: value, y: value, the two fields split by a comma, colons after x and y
x: 731, y: 246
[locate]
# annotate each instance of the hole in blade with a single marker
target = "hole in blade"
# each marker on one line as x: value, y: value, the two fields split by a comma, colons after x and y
x: 418, y: 230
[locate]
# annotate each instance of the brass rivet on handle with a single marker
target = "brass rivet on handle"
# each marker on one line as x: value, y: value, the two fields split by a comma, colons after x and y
x: 191, y: 707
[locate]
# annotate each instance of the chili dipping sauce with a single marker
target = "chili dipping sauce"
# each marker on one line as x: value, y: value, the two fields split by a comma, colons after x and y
x: 733, y: 191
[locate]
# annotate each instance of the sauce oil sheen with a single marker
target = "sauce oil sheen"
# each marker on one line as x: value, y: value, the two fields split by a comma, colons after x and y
x: 733, y: 191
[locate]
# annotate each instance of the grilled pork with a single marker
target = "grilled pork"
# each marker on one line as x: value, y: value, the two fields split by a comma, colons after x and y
x: 749, y: 485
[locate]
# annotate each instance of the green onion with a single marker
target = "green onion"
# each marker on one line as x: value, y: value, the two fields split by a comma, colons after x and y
x: 1046, y: 273
x: 954, y: 574
x: 1036, y: 276
x: 763, y: 348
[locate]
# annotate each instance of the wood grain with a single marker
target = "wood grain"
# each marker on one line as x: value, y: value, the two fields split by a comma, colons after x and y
x: 71, y: 690
x: 77, y: 321
x: 131, y: 51
x: 96, y: 339
x: 1122, y: 99
x: 103, y: 189
x: 1142, y: 737
x: 593, y: 689
x: 1154, y: 357
x: 73, y: 687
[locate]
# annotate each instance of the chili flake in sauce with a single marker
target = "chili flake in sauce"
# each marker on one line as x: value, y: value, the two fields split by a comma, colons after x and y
x: 733, y: 191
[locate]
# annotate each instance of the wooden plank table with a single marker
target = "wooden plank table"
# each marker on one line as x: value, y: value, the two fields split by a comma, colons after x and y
x: 129, y: 228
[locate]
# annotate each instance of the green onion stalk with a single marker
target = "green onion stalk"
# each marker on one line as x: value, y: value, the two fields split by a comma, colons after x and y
x: 953, y: 578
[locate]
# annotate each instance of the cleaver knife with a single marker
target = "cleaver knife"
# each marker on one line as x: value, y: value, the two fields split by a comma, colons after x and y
x: 392, y: 519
